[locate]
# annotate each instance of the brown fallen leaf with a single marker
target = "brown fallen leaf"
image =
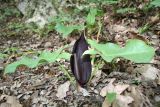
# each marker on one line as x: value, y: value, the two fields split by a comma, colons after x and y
x: 62, y: 89
x: 11, y: 101
x: 148, y: 72
x: 140, y: 99
x: 96, y: 77
x: 117, y: 88
x: 135, y: 35
x: 83, y: 91
x: 106, y: 103
x: 151, y: 73
x: 136, y: 95
x: 122, y: 101
x: 117, y: 28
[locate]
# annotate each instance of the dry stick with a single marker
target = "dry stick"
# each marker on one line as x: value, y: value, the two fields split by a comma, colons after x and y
x: 144, y: 63
x: 7, y: 62
x: 99, y: 30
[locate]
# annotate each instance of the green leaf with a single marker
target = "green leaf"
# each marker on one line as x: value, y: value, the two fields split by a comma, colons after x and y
x: 64, y: 55
x: 126, y: 10
x: 45, y: 56
x: 2, y: 56
x: 144, y: 28
x: 31, y: 63
x: 66, y: 30
x: 111, y: 97
x: 110, y: 2
x: 104, y: 1
x: 135, y: 50
x: 91, y: 17
x: 156, y: 3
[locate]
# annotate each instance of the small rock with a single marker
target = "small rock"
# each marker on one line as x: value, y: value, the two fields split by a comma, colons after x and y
x: 19, y: 96
x: 84, y: 92
x: 48, y: 93
x: 47, y: 44
x: 69, y: 93
x: 29, y: 92
x: 96, y: 91
x: 14, y: 44
x: 157, y: 98
x: 34, y: 45
x: 5, y: 105
x: 1, y: 64
x: 26, y: 97
x: 9, y: 42
x: 151, y: 73
x: 62, y: 89
x: 43, y: 92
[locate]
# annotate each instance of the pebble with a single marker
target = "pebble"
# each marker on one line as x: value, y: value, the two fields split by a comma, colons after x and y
x: 157, y: 98
x: 47, y: 44
x: 43, y: 92
x: 26, y: 97
x: 9, y: 42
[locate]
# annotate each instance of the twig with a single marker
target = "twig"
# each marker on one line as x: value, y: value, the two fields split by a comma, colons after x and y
x: 99, y: 30
x: 66, y: 72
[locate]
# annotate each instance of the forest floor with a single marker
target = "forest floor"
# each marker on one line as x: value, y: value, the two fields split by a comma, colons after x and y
x: 48, y: 86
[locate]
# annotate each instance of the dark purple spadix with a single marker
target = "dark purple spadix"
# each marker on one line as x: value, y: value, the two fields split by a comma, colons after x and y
x: 81, y: 65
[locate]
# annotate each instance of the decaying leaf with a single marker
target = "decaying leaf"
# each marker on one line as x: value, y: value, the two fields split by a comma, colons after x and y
x: 122, y: 101
x: 106, y: 103
x: 108, y: 87
x: 83, y: 91
x: 96, y: 77
x: 137, y: 96
x: 117, y: 88
x: 62, y: 89
x: 148, y: 72
x: 81, y: 64
x: 11, y: 101
x: 151, y: 73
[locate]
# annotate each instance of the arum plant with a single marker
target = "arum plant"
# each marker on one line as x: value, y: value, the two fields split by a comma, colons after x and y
x: 81, y: 64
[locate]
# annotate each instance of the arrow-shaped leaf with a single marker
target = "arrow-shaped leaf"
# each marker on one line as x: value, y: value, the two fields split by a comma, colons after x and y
x: 45, y: 56
x: 135, y: 50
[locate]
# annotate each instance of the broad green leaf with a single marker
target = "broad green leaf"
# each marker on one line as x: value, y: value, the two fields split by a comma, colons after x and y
x: 111, y: 97
x: 45, y: 56
x: 31, y: 63
x: 48, y: 56
x: 156, y: 3
x: 135, y: 50
x: 64, y: 55
x: 66, y: 30
x: 91, y: 17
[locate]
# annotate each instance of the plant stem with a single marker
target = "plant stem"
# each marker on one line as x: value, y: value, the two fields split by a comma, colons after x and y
x: 66, y: 72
